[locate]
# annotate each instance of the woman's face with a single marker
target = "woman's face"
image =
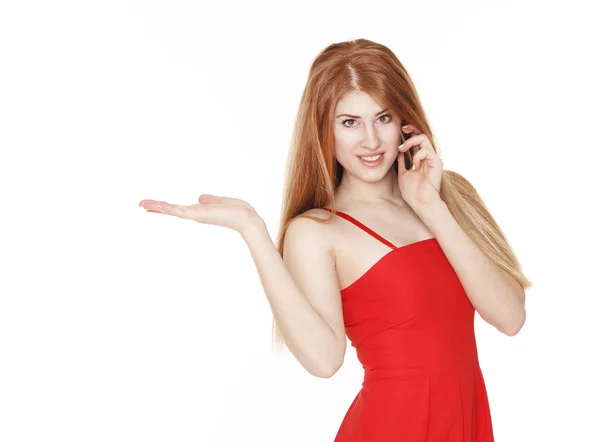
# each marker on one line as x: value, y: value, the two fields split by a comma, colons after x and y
x: 362, y: 130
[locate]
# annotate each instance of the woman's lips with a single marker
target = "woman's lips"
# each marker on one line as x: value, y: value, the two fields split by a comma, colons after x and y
x: 377, y: 162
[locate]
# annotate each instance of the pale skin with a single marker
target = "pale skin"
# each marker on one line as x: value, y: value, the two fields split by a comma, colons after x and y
x: 303, y: 287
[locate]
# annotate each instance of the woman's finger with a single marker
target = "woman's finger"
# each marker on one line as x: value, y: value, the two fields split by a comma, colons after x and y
x: 429, y: 155
x: 419, y: 157
x: 412, y: 141
x: 162, y: 207
x: 177, y: 210
x: 151, y: 205
x: 207, y: 198
x: 410, y: 128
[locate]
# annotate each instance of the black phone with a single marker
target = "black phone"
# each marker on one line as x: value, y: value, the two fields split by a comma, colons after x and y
x: 408, y: 154
x: 408, y: 158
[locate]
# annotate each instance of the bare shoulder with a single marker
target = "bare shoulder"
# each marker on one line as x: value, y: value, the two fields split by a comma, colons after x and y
x: 312, y: 228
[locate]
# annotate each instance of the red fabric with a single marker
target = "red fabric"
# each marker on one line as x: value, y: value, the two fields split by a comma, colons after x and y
x: 412, y: 325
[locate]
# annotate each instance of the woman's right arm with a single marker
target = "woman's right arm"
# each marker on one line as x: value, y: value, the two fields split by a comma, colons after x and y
x: 302, y: 291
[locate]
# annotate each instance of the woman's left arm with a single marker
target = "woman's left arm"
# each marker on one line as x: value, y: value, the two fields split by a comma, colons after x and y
x: 495, y: 294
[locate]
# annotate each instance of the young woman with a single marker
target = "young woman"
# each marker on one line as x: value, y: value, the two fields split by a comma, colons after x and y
x: 380, y: 244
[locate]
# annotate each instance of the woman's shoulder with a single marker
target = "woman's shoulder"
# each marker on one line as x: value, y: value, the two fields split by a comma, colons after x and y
x: 317, y: 218
x: 314, y: 225
x: 310, y: 234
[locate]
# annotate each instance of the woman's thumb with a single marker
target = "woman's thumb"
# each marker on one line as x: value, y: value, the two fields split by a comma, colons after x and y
x: 206, y: 198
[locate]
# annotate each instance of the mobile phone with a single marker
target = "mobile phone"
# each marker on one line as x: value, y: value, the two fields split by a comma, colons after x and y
x: 408, y: 154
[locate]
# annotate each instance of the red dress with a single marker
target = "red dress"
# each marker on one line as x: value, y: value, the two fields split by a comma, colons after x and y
x: 412, y: 325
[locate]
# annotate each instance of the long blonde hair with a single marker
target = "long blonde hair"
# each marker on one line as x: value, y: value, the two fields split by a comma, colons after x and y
x: 313, y: 173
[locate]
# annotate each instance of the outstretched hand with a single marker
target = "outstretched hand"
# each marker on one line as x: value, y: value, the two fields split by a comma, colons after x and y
x: 222, y: 211
x: 420, y: 185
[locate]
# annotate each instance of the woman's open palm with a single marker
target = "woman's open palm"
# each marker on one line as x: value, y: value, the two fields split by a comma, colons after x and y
x: 222, y: 211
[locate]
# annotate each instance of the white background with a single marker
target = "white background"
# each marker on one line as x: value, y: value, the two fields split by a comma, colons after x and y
x: 122, y: 325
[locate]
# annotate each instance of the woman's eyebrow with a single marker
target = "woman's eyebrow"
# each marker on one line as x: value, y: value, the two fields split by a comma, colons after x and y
x: 357, y: 117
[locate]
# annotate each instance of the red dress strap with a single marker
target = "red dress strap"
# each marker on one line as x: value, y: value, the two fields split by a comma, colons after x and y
x: 362, y: 226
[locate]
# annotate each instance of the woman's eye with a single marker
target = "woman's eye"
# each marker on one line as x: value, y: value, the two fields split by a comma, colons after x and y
x: 353, y: 120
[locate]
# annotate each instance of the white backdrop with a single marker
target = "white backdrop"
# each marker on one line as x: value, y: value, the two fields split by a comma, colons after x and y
x: 122, y: 325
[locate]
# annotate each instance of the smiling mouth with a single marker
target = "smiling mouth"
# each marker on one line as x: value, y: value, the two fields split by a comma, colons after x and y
x: 372, y: 157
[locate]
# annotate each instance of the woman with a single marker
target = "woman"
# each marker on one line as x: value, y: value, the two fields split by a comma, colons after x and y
x: 381, y: 245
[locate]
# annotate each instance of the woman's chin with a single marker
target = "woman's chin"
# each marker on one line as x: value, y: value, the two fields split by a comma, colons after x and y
x: 372, y: 175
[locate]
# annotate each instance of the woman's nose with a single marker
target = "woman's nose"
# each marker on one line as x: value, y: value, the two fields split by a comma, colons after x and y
x: 371, y: 139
